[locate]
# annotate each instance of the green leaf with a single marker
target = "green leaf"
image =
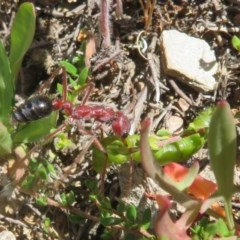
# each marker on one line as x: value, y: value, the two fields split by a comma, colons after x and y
x: 117, y: 153
x: 187, y: 180
x: 121, y: 207
x: 75, y: 218
x: 22, y: 34
x: 146, y: 219
x: 110, y: 221
x: 70, y: 68
x: 180, y: 150
x: 219, y: 227
x: 236, y: 42
x: 29, y: 182
x: 166, y: 151
x: 92, y: 185
x: 51, y: 168
x: 5, y: 140
x: 131, y: 213
x: 83, y: 76
x: 6, y: 87
x: 35, y: 130
x: 46, y: 224
x: 33, y: 165
x: 70, y: 198
x: 163, y: 133
x: 63, y: 141
x: 105, y: 203
x: 42, y: 201
x: 222, y: 144
x: 42, y: 172
x: 63, y: 199
x: 202, y: 120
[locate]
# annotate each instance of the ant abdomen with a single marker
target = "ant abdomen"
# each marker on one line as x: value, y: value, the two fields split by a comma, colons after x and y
x: 35, y: 108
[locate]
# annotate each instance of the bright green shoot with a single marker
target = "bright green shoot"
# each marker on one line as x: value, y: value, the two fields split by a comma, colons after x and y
x: 22, y: 34
x: 236, y: 42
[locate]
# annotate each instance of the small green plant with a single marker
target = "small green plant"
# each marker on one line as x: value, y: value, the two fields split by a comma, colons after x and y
x: 207, y: 230
x: 48, y: 229
x: 39, y: 172
x: 125, y: 216
x: 165, y: 148
x: 178, y: 182
x: 77, y: 73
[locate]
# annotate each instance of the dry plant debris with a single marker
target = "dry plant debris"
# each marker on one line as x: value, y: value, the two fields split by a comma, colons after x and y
x: 128, y: 75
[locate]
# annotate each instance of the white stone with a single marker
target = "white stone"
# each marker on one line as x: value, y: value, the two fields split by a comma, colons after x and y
x: 189, y: 59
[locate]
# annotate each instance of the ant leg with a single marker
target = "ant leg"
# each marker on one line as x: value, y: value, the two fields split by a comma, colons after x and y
x: 50, y: 80
x: 64, y: 84
x: 96, y: 142
x: 86, y: 97
x: 90, y: 87
x: 98, y: 145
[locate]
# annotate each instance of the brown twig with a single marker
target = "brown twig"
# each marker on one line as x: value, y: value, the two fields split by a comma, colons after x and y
x: 155, y: 68
x: 119, y: 9
x: 148, y: 8
x: 180, y: 92
x: 107, y: 60
x: 104, y: 23
x: 11, y: 220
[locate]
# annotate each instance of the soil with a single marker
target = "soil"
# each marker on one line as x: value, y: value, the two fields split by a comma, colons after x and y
x: 126, y: 73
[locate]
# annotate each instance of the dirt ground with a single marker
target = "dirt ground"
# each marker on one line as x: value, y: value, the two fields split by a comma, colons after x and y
x: 125, y: 77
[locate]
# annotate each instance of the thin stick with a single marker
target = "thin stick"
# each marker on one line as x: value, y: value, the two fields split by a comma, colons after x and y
x: 180, y: 92
x: 89, y: 91
x: 64, y: 84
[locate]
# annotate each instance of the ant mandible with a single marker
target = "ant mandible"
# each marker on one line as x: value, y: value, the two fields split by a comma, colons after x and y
x: 41, y: 106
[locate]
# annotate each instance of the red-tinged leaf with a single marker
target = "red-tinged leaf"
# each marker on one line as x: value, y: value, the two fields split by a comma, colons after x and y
x: 202, y: 188
x: 164, y: 226
x: 175, y: 171
x: 154, y: 170
x: 147, y: 158
x: 218, y: 209
x: 179, y: 176
x: 213, y: 204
